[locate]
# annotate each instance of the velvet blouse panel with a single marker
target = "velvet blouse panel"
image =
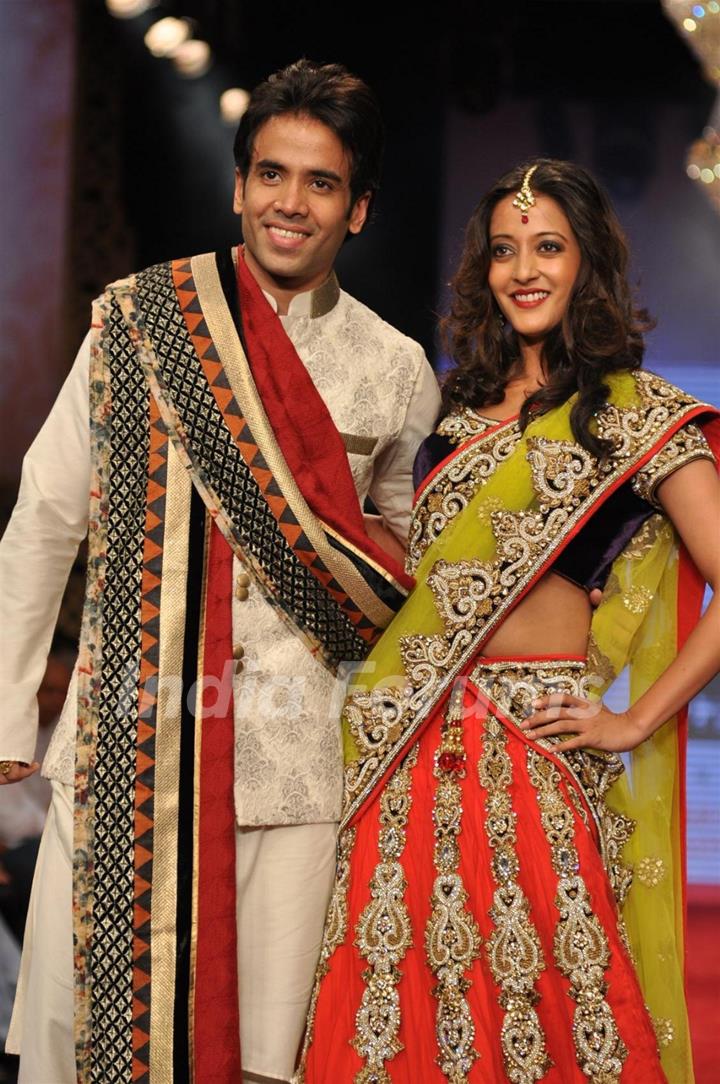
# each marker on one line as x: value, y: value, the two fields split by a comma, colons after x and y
x: 588, y: 558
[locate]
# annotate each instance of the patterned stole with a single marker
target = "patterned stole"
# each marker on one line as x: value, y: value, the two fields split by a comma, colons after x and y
x: 191, y: 466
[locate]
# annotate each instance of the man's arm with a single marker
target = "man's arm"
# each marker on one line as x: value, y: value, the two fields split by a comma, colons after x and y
x: 392, y: 486
x: 36, y: 554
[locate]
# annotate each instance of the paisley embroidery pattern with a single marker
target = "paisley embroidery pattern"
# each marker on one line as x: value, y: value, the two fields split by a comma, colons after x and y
x: 452, y: 937
x: 514, y: 950
x: 455, y: 484
x: 580, y: 945
x: 594, y: 772
x: 383, y: 934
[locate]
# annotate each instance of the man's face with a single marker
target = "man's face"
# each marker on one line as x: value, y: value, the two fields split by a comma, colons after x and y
x: 296, y: 203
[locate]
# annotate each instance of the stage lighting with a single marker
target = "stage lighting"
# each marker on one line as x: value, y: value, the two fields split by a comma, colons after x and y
x: 192, y: 59
x: 128, y: 9
x: 166, y: 36
x: 233, y: 103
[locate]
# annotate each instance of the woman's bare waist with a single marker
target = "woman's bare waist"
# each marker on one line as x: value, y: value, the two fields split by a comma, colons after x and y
x: 553, y: 618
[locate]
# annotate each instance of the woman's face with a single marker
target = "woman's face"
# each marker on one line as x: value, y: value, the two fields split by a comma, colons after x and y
x: 533, y: 265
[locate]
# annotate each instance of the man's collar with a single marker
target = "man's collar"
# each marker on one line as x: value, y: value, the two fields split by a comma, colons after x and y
x: 313, y: 303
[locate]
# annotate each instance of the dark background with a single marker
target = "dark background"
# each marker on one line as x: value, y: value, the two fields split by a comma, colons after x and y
x: 623, y: 63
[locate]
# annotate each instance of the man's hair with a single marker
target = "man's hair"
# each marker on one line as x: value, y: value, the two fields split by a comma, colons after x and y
x: 330, y: 94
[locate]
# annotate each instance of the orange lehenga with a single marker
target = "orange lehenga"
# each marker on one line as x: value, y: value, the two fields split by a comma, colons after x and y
x: 504, y: 911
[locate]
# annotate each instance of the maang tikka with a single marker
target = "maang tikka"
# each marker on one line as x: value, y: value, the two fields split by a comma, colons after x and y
x: 525, y: 198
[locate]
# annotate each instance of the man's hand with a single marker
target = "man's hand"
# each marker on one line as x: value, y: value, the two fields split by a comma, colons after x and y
x: 18, y: 772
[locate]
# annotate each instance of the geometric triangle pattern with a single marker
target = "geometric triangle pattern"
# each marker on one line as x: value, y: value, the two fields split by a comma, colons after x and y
x: 229, y: 408
x: 145, y: 763
x: 113, y: 777
x: 221, y: 447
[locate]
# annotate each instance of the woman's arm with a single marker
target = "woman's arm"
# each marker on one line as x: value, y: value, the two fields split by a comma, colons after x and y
x: 691, y: 498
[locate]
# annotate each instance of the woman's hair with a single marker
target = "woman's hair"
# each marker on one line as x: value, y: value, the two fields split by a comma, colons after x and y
x: 600, y: 332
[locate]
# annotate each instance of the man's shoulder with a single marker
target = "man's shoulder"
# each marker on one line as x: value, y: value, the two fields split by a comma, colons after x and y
x: 163, y: 270
x: 383, y: 334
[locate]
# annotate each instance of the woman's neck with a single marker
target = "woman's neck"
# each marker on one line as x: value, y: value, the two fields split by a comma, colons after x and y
x: 529, y: 370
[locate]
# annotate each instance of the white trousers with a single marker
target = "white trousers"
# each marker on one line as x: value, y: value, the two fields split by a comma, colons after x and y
x: 284, y: 880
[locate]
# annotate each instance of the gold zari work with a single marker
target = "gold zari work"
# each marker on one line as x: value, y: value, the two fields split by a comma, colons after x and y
x: 580, y: 945
x: 686, y: 445
x: 383, y: 934
x: 473, y: 596
x: 513, y: 688
x: 664, y: 1031
x: 514, y: 950
x: 651, y: 871
x: 463, y: 424
x: 452, y: 937
x: 454, y: 485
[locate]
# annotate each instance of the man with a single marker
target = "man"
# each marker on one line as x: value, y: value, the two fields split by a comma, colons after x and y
x: 241, y: 408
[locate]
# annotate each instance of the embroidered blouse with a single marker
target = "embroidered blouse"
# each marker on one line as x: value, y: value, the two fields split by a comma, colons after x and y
x: 587, y: 558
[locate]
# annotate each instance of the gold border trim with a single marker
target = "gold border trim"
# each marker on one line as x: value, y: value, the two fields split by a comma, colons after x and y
x: 232, y: 357
x: 163, y: 922
x: 196, y: 795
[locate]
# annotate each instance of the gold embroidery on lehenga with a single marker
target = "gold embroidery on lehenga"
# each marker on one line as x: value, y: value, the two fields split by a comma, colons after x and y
x: 383, y: 934
x: 580, y: 944
x: 452, y: 937
x: 513, y: 688
x: 514, y: 950
x: 333, y: 937
x: 473, y: 596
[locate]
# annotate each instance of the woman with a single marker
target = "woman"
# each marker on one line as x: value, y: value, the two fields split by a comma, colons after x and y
x: 497, y: 875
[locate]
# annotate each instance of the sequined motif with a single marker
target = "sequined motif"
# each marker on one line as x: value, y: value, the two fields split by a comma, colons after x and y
x: 514, y: 951
x: 383, y: 934
x: 686, y: 445
x: 462, y: 424
x: 664, y: 1030
x: 651, y: 871
x: 513, y: 689
x: 452, y: 937
x: 580, y: 944
x: 455, y: 484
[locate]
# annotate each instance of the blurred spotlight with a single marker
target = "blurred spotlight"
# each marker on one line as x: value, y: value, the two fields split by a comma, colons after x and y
x: 128, y: 9
x: 700, y: 24
x: 233, y: 103
x: 166, y: 36
x: 192, y: 59
x: 704, y: 163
